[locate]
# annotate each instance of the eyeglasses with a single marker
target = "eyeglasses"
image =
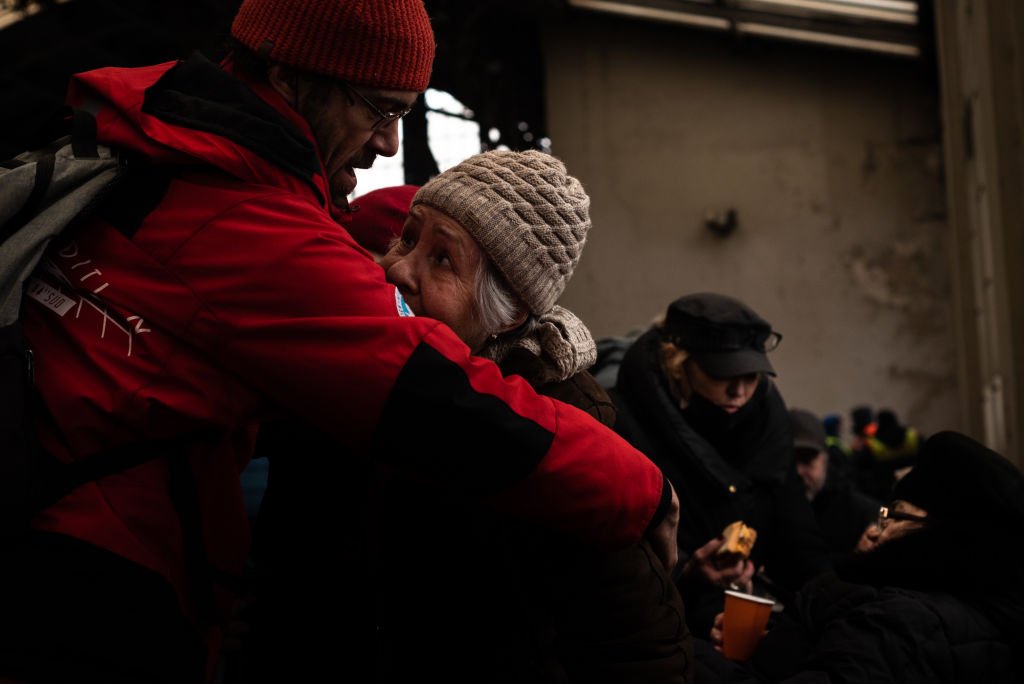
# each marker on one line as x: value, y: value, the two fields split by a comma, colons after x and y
x: 887, y: 514
x: 383, y: 118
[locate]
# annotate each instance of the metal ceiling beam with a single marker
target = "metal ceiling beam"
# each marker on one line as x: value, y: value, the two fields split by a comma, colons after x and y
x: 887, y: 26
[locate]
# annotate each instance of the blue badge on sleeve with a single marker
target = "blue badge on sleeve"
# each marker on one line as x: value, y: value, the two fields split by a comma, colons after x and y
x: 403, y: 308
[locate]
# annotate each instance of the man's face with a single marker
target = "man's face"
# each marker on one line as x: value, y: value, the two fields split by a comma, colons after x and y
x: 343, y: 127
x: 813, y: 471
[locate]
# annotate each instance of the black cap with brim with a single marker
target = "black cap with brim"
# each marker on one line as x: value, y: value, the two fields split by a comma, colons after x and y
x: 732, y: 363
x: 722, y: 334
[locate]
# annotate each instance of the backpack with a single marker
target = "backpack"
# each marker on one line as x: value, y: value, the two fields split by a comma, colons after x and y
x: 45, y: 194
x: 610, y: 352
x: 42, y: 193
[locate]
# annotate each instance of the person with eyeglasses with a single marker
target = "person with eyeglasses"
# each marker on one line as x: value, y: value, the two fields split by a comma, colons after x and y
x: 221, y: 291
x: 695, y: 393
x: 934, y: 597
x: 893, y: 521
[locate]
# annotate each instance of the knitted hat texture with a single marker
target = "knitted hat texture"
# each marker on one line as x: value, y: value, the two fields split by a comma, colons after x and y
x: 528, y: 215
x: 375, y: 43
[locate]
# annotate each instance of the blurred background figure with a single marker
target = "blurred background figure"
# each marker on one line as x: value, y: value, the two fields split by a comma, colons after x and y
x: 886, y: 451
x: 862, y: 426
x: 893, y: 441
x: 833, y: 424
x: 843, y: 513
x: 696, y: 395
x: 376, y: 218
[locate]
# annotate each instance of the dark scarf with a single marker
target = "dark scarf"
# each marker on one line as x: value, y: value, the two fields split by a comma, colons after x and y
x: 754, y: 440
x: 956, y: 560
x: 752, y: 444
x: 733, y: 435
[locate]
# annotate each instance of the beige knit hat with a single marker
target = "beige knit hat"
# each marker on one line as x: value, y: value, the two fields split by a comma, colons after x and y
x: 529, y: 216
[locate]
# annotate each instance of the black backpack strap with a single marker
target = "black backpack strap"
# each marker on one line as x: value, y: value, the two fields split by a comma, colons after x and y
x: 83, y: 145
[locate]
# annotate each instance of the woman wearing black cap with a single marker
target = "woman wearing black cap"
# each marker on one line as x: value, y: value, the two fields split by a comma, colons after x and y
x: 938, y: 596
x: 695, y: 395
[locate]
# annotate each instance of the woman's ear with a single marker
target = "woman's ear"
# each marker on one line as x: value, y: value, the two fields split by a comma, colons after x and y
x: 285, y: 81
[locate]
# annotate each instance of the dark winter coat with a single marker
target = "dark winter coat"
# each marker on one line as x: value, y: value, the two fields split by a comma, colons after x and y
x: 486, y: 600
x: 724, y: 469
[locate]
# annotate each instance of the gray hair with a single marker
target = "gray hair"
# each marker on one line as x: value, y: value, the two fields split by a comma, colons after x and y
x: 498, y: 306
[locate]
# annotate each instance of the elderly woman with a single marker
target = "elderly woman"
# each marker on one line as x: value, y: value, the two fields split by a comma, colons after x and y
x: 488, y: 247
x: 924, y: 602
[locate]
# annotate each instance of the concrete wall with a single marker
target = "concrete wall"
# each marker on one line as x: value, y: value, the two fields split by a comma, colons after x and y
x: 981, y: 50
x: 833, y: 161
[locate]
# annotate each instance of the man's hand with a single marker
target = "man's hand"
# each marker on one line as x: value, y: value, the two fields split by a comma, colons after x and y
x: 663, y: 537
x: 703, y: 564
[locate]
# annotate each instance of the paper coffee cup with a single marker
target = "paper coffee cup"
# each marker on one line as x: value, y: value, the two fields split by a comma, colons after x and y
x: 743, y: 624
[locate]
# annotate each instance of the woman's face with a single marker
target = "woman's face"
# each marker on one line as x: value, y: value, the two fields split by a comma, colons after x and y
x: 436, y: 265
x: 887, y: 530
x: 728, y: 394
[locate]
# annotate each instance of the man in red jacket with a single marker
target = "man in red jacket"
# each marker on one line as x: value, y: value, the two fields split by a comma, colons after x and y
x: 217, y: 289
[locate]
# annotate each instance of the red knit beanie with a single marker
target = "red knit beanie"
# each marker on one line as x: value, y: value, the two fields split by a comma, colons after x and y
x: 375, y: 43
x: 378, y: 216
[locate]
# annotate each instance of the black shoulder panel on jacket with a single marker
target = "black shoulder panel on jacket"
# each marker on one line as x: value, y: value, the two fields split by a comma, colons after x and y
x: 140, y: 188
x: 199, y: 95
x: 435, y: 423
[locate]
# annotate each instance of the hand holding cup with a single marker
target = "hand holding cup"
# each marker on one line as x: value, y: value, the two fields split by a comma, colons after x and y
x: 743, y: 624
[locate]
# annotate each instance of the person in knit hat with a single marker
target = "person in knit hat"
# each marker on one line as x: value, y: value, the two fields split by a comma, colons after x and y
x: 934, y: 598
x: 886, y: 450
x: 488, y: 248
x: 529, y: 220
x: 215, y: 292
x: 351, y: 70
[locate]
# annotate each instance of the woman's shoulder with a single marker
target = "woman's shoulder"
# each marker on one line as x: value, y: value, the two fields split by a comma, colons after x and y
x: 580, y: 390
